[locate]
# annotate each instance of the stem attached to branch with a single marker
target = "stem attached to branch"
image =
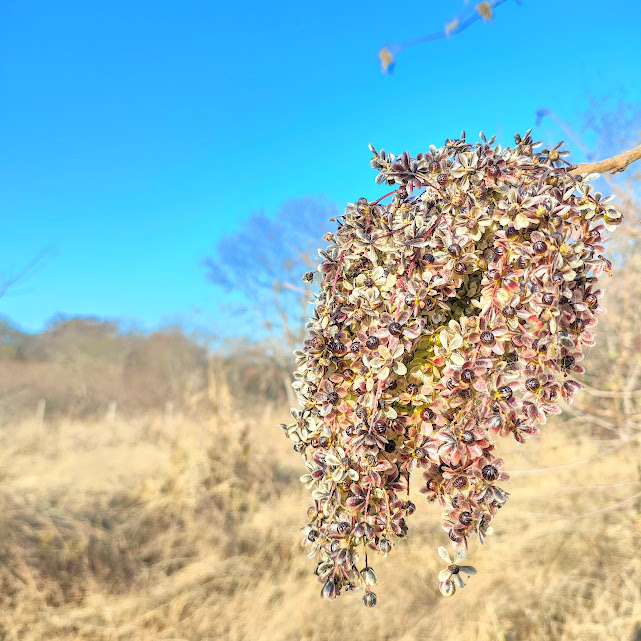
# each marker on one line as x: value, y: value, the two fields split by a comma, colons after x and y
x: 612, y: 165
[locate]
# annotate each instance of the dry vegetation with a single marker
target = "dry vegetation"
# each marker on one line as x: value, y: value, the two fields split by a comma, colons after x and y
x: 158, y: 529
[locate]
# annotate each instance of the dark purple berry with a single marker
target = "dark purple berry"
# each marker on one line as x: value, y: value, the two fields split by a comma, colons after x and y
x: 468, y: 375
x: 533, y: 384
x: 372, y: 342
x: 505, y: 392
x: 427, y: 415
x: 468, y: 437
x: 490, y: 473
x: 395, y: 329
x: 487, y: 338
x: 380, y: 427
x: 540, y: 247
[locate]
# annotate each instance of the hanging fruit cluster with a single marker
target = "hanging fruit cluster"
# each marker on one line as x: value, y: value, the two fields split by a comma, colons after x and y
x: 455, y: 314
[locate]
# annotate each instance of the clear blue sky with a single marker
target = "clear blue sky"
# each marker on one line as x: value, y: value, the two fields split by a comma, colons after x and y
x: 136, y: 134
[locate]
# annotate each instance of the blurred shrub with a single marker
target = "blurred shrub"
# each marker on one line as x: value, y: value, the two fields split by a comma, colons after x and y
x: 79, y: 365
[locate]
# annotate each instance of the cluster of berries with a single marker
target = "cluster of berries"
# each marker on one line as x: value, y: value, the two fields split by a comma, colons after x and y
x: 454, y: 314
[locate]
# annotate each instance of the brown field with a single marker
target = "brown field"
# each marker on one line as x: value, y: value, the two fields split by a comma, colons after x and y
x: 183, y: 530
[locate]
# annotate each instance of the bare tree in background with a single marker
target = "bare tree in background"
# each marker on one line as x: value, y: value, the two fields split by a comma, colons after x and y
x: 611, y: 404
x: 261, y: 268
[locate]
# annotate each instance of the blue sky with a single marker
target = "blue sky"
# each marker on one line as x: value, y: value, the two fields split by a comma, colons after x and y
x: 136, y: 135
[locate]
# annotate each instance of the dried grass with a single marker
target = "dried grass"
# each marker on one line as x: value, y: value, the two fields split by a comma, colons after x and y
x: 188, y: 531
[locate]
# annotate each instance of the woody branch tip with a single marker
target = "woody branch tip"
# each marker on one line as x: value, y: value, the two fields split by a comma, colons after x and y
x: 611, y: 165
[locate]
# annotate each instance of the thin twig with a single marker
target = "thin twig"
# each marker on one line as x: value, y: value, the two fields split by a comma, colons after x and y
x: 607, y: 508
x: 293, y: 288
x: 580, y: 488
x: 610, y: 394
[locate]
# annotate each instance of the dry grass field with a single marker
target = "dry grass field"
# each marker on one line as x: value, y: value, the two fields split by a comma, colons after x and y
x: 184, y: 530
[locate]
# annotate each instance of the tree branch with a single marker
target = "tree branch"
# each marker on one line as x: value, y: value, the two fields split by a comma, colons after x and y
x: 612, y: 165
x: 610, y: 394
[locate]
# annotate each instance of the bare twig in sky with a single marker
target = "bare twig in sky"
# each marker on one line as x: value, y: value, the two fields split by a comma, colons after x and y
x: 10, y: 280
x: 485, y: 10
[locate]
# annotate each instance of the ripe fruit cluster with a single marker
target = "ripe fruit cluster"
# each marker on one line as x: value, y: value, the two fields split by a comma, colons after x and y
x: 455, y: 314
